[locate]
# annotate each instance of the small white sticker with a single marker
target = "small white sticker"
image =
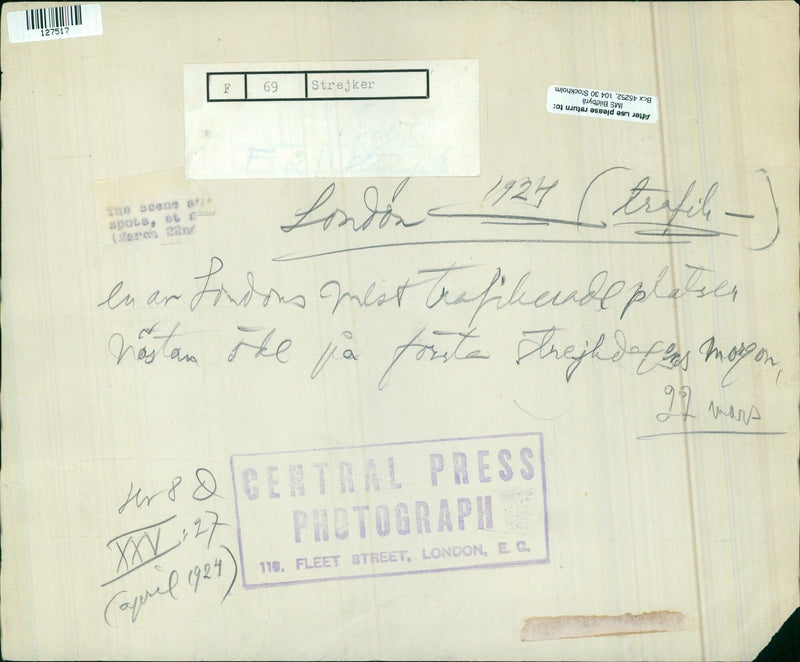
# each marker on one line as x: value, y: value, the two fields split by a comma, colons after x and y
x: 565, y: 100
x: 48, y: 23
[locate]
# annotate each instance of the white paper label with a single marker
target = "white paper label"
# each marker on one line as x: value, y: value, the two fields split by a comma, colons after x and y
x: 48, y: 23
x: 332, y: 119
x: 564, y: 100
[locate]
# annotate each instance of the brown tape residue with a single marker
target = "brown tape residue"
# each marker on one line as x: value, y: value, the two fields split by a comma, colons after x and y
x: 569, y: 627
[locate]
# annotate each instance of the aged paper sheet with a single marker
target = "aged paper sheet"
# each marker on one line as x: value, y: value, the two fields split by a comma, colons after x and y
x: 399, y: 330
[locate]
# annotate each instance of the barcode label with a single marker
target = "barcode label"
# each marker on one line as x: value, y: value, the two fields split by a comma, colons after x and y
x: 47, y: 23
x: 52, y: 17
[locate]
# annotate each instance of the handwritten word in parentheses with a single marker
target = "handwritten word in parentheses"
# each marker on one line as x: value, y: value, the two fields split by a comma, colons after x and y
x: 645, y: 200
x: 164, y: 346
x: 205, y: 487
x: 542, y: 344
x: 126, y: 606
x: 375, y: 214
x: 439, y: 347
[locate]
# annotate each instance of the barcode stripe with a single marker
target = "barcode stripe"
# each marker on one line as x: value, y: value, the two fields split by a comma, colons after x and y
x: 53, y: 17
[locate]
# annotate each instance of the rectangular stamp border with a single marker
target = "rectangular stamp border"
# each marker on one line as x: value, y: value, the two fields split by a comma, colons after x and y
x: 483, y: 566
x: 305, y: 73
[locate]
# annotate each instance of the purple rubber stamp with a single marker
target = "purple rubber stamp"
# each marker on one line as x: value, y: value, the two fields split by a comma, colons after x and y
x: 391, y: 509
